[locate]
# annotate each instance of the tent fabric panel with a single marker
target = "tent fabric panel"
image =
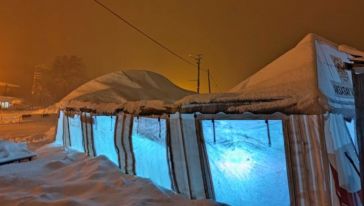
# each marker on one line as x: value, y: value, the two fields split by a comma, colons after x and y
x: 87, y: 122
x: 334, y: 80
x: 205, y: 166
x: 181, y: 173
x: 170, y: 158
x: 126, y: 141
x: 119, y: 145
x: 308, y: 159
x: 90, y: 136
x: 344, y: 161
x: 84, y: 133
x: 192, y: 148
x: 66, y: 132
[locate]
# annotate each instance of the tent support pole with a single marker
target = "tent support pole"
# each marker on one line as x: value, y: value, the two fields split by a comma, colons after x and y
x: 214, y: 130
x: 268, y: 132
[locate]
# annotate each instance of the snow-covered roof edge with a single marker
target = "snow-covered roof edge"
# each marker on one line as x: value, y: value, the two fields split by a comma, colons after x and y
x: 289, y: 84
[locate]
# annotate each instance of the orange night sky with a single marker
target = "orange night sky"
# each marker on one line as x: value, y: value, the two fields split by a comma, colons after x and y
x: 236, y: 37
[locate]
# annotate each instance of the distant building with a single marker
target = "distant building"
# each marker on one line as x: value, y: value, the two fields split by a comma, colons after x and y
x: 9, y: 102
x: 7, y: 97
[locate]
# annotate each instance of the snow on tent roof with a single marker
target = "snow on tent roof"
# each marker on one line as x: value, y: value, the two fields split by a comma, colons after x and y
x: 134, y: 91
x: 298, y: 82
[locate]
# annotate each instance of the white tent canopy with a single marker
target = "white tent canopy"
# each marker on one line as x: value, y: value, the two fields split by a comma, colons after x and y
x: 305, y: 80
x: 134, y: 91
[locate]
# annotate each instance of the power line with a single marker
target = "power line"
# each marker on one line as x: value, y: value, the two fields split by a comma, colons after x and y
x: 143, y: 33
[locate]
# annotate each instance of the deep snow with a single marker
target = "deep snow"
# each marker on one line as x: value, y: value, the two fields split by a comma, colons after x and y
x: 60, y: 176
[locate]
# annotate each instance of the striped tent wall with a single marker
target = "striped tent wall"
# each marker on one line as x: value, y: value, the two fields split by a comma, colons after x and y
x: 312, y: 181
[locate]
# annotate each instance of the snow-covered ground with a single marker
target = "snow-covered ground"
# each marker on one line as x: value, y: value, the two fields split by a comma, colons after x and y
x: 66, y: 177
x: 36, y: 132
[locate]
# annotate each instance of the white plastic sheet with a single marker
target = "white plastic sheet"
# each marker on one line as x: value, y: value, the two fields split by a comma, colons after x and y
x: 150, y: 150
x: 104, y: 129
x: 76, y: 133
x: 245, y: 169
x: 59, y: 132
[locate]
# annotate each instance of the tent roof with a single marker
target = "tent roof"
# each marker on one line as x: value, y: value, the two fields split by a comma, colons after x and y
x: 134, y: 91
x: 289, y: 84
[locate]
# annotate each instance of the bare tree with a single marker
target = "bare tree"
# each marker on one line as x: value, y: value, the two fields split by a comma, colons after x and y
x: 65, y: 74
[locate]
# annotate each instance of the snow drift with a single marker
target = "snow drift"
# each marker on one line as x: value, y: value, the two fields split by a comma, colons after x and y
x: 70, y: 178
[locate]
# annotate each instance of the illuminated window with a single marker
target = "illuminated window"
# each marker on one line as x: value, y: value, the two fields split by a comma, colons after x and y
x: 247, y: 167
x: 4, y: 105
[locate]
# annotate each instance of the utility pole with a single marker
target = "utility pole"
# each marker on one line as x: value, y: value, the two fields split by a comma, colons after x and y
x: 208, y: 80
x: 198, y: 58
x: 37, y: 86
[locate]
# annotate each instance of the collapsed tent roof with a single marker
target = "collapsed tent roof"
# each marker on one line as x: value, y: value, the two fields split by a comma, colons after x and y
x: 133, y: 91
x: 305, y: 80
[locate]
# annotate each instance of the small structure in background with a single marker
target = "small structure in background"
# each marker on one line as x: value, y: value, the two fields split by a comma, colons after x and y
x: 7, y: 97
x: 9, y: 102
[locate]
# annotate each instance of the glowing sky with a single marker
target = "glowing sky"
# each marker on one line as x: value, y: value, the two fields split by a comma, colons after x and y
x: 236, y: 37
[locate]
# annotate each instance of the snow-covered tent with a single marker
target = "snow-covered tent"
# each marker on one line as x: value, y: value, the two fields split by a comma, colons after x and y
x: 122, y: 115
x: 133, y: 91
x: 286, y: 131
x: 310, y: 92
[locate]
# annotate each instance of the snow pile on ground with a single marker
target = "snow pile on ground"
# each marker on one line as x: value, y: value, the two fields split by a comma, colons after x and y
x: 130, y: 90
x: 17, y: 116
x: 7, y: 118
x: 69, y: 178
x: 64, y: 177
x: 11, y: 151
x: 35, y: 132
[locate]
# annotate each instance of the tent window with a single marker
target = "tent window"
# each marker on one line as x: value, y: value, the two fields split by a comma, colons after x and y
x: 150, y: 150
x: 76, y: 133
x: 104, y: 131
x: 59, y: 134
x: 245, y: 168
